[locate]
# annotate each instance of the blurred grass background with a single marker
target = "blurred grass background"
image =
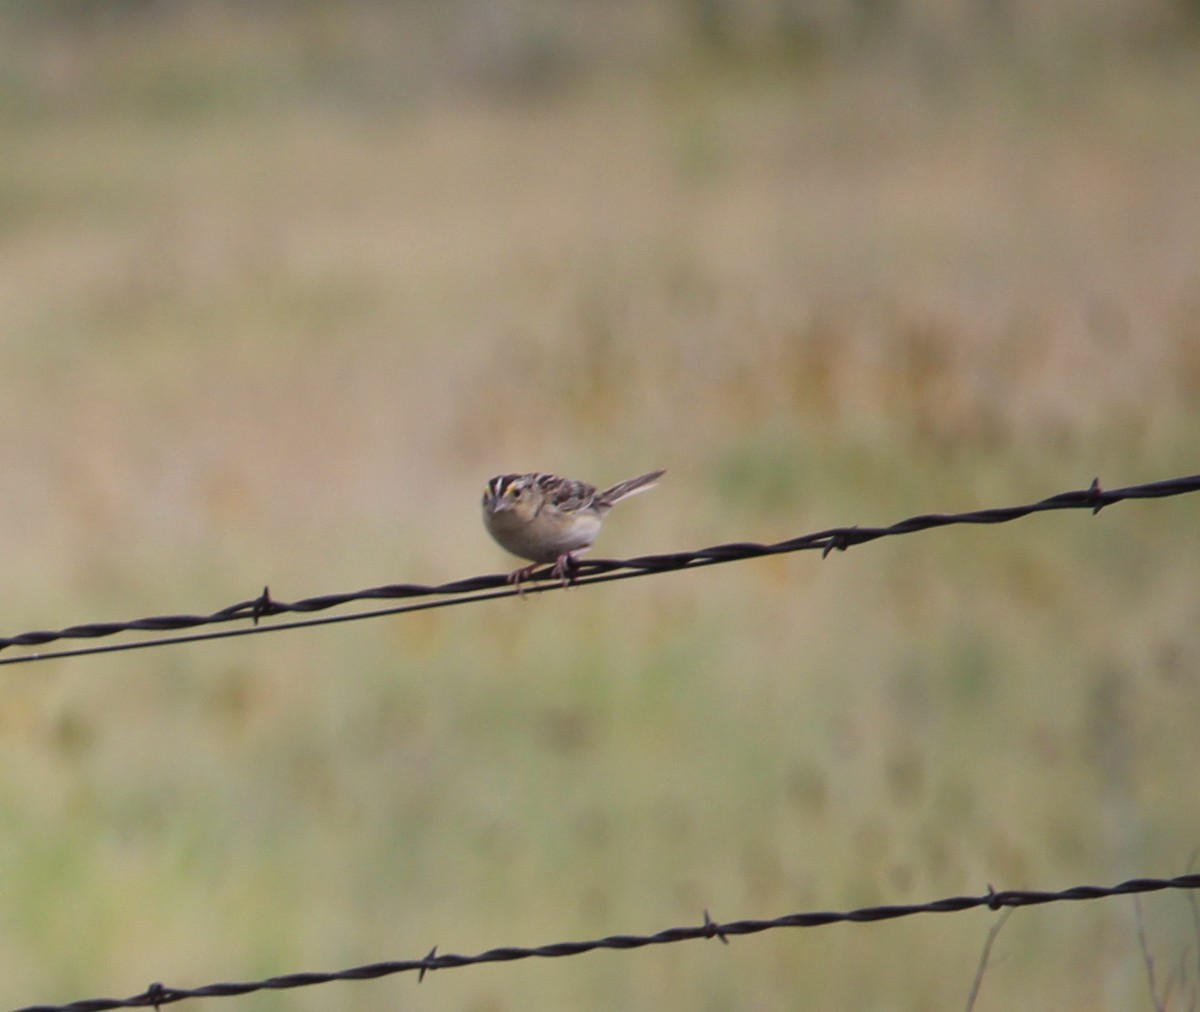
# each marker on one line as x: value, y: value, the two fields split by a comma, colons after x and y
x: 281, y: 286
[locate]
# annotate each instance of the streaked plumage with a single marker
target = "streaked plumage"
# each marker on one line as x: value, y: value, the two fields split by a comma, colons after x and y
x: 545, y: 518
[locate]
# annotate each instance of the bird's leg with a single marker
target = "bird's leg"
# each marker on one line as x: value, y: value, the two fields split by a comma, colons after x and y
x: 564, y: 568
x: 517, y: 575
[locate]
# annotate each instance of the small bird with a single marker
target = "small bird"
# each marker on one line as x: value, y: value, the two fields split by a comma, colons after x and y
x: 545, y: 518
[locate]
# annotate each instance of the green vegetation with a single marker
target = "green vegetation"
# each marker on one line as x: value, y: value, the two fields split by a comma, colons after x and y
x: 283, y: 285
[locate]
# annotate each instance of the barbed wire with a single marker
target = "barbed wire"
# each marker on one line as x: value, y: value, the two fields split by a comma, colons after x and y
x: 599, y: 570
x: 158, y: 994
x: 487, y: 587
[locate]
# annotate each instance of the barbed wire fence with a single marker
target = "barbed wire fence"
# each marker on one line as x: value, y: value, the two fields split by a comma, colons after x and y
x: 159, y: 994
x: 488, y: 587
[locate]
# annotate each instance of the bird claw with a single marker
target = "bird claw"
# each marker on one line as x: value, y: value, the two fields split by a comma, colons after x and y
x: 564, y: 569
x: 517, y: 575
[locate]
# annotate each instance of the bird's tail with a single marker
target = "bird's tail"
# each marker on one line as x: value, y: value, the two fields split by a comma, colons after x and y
x: 641, y: 483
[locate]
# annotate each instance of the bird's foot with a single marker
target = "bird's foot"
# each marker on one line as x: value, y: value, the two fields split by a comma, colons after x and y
x: 564, y: 568
x: 518, y: 575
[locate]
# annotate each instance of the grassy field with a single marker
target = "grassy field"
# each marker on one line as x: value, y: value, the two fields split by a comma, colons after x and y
x: 279, y: 291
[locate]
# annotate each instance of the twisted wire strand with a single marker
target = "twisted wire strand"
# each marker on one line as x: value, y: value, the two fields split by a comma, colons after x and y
x: 158, y: 994
x: 491, y: 586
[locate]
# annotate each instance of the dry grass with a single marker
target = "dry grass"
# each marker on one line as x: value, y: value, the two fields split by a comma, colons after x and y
x: 269, y: 327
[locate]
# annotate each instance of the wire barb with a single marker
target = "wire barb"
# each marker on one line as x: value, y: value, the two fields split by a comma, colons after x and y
x: 156, y: 993
x: 487, y: 587
x: 713, y: 930
x: 263, y: 605
x: 838, y: 541
x: 428, y: 963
